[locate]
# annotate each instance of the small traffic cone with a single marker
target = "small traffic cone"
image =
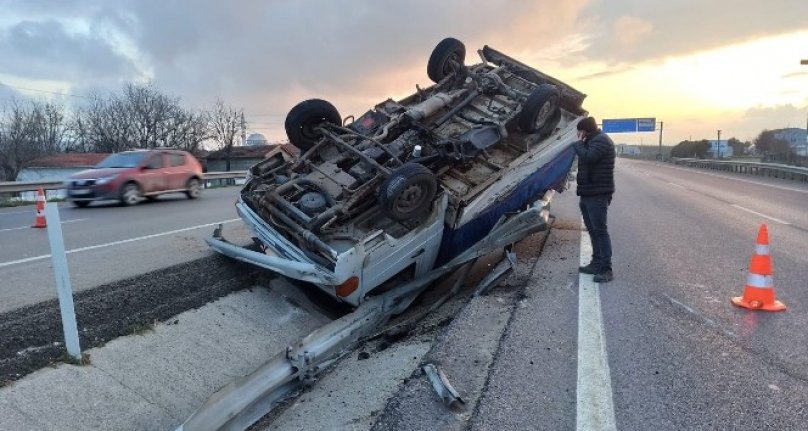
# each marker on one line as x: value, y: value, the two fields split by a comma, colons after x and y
x: 759, y: 291
x: 39, y: 221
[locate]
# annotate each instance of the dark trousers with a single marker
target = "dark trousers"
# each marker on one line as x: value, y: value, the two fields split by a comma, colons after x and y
x: 594, y: 209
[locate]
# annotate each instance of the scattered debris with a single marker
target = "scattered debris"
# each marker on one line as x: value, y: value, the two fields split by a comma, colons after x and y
x: 441, y: 384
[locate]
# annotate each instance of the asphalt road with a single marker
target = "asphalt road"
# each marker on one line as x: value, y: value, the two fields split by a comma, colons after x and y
x: 681, y: 355
x: 106, y: 242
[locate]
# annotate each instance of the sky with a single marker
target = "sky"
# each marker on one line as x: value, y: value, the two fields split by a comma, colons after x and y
x: 697, y: 65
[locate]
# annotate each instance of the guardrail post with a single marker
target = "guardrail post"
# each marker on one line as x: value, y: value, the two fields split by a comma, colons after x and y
x: 62, y: 276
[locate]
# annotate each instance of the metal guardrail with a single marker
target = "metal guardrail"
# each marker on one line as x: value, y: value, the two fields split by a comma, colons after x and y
x: 32, y: 186
x: 775, y: 170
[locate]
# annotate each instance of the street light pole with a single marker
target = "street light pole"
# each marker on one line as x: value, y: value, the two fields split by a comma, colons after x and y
x: 661, y: 123
x: 718, y: 144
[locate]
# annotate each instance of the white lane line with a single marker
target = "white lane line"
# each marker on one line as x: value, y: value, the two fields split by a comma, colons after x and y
x: 760, y: 214
x: 677, y: 185
x: 109, y: 244
x: 29, y: 227
x: 594, y: 406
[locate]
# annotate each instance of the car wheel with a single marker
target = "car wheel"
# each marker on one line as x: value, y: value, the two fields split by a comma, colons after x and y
x: 81, y: 204
x: 539, y: 108
x: 130, y: 195
x: 446, y: 58
x: 303, y: 120
x: 408, y: 192
x: 193, y: 190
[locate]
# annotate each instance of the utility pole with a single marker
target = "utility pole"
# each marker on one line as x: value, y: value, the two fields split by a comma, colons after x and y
x: 718, y: 144
x: 243, y: 130
x: 805, y: 62
x: 661, y: 123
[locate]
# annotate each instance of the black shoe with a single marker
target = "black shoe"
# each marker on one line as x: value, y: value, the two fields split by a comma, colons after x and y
x: 603, y: 277
x: 588, y: 269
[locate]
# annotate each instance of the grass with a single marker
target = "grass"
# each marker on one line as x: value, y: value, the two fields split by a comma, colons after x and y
x: 141, y: 328
x: 85, y: 359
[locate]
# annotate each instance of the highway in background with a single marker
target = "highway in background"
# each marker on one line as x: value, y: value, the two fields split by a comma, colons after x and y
x: 107, y: 242
x: 681, y: 355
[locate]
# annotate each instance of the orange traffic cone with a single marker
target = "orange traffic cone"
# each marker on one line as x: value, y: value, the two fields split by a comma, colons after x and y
x: 759, y: 291
x: 40, y: 221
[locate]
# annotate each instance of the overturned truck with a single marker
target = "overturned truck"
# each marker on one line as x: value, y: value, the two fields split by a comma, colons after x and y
x: 384, y: 198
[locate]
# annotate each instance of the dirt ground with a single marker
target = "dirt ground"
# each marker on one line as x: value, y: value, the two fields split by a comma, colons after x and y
x: 32, y: 336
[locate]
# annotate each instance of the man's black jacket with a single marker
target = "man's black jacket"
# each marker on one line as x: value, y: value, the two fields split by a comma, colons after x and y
x: 595, y: 165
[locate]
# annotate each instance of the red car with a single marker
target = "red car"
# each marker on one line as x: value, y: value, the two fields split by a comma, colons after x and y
x: 130, y: 176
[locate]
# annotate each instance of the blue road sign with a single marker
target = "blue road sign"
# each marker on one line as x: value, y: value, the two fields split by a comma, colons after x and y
x: 646, y: 124
x: 623, y: 125
x: 629, y: 125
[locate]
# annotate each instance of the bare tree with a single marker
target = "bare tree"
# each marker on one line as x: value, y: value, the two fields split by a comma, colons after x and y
x: 29, y: 130
x: 189, y: 131
x: 227, y: 127
x: 140, y: 117
x: 102, y: 125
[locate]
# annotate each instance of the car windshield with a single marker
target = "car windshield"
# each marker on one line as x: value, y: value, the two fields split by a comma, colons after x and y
x: 122, y: 160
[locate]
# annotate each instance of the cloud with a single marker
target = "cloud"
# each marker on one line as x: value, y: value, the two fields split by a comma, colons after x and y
x: 629, y: 31
x: 47, y: 50
x: 8, y: 94
x: 608, y: 72
x: 795, y: 75
x: 675, y: 28
x: 265, y: 56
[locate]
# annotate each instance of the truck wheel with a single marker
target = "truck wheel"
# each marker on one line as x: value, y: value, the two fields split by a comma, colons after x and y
x: 539, y: 108
x: 408, y: 192
x: 304, y: 118
x: 446, y: 58
x: 549, y: 126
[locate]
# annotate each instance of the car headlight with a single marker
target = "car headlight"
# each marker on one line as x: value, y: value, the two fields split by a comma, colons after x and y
x: 103, y: 180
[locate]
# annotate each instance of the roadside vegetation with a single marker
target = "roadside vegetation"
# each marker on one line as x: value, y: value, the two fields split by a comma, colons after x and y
x: 140, y: 116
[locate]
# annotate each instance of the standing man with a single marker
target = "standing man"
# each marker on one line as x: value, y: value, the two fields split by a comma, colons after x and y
x: 595, y: 179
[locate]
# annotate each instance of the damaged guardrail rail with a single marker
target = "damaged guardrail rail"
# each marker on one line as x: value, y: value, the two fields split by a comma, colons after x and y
x: 246, y: 400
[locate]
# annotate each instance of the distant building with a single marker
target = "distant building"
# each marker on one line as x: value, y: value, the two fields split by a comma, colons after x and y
x: 719, y: 149
x: 57, y: 167
x: 241, y: 158
x: 797, y: 138
x: 256, y: 139
x: 627, y: 150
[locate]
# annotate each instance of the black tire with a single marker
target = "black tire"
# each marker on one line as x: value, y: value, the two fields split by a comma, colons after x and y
x: 81, y: 204
x: 408, y: 192
x: 193, y: 189
x: 539, y: 108
x: 549, y: 126
x: 305, y: 117
x: 130, y: 194
x: 445, y: 59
